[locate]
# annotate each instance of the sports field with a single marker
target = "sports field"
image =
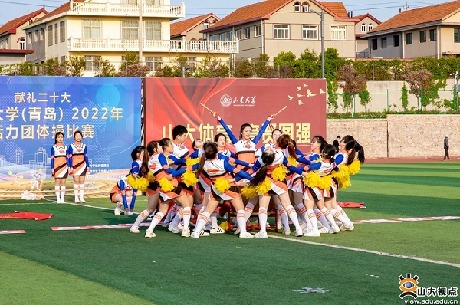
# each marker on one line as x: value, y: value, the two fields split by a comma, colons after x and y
x: 394, y: 235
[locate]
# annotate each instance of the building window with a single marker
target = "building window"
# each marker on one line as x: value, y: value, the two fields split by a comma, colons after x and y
x: 154, y: 63
x: 50, y: 35
x: 457, y: 35
x: 56, y: 33
x: 129, y: 30
x: 153, y: 30
x: 433, y: 35
x: 374, y: 44
x: 296, y: 6
x: 42, y: 33
x: 257, y: 31
x: 338, y: 32
x: 247, y: 33
x: 310, y: 32
x: 62, y: 31
x: 91, y: 29
x: 363, y: 28
x: 395, y: 40
x: 191, y: 62
x: 409, y: 38
x: 383, y: 43
x: 92, y: 63
x: 281, y: 31
x: 22, y: 43
x: 238, y: 34
x: 305, y: 7
x: 370, y: 26
x: 30, y: 37
x: 422, y: 36
x: 36, y: 36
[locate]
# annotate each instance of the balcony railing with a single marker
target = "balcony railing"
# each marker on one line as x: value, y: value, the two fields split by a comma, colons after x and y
x: 193, y: 46
x: 116, y: 9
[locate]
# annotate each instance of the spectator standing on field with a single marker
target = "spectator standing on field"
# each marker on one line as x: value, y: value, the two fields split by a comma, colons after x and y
x: 446, y: 148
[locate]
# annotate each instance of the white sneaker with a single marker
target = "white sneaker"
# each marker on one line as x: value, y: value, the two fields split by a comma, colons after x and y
x: 237, y: 231
x: 195, y: 235
x: 185, y: 233
x: 117, y: 211
x: 204, y: 233
x: 129, y: 213
x: 149, y: 234
x: 287, y: 232
x: 134, y: 229
x: 246, y: 235
x: 82, y: 200
x: 323, y: 230
x: 313, y: 233
x: 77, y: 200
x: 350, y: 227
x: 298, y: 232
x: 217, y: 230
x: 335, y: 229
x: 173, y: 228
x: 306, y: 230
x: 180, y: 226
x: 261, y: 235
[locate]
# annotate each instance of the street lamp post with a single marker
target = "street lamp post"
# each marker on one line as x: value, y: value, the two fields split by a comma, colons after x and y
x: 321, y: 31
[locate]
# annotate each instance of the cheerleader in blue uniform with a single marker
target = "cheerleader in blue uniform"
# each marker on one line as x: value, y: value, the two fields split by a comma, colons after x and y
x: 136, y: 179
x: 223, y: 187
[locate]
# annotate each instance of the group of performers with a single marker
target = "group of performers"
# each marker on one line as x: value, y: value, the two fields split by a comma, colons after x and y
x: 69, y: 160
x: 303, y: 187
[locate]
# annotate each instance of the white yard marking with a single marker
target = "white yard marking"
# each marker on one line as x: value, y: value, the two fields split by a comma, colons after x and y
x: 420, y: 259
x: 12, y: 232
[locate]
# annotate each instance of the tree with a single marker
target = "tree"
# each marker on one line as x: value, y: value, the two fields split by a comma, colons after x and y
x: 75, y: 65
x: 404, y: 97
x: 132, y: 67
x: 284, y: 64
x: 261, y: 68
x: 420, y: 82
x: 243, y: 69
x: 25, y: 68
x: 105, y: 69
x: 332, y: 95
x: 364, y: 98
x: 211, y: 67
x: 53, y: 68
x: 353, y: 83
x: 308, y: 65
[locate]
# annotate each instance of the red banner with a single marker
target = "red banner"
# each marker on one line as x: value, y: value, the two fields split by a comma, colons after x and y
x: 26, y: 215
x: 173, y: 101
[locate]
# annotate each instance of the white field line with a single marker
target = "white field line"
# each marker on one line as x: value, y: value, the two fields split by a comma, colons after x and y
x: 12, y: 232
x: 420, y: 259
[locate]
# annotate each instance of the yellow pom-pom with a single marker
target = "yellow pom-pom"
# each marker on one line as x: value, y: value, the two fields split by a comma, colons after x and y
x: 191, y: 162
x: 150, y: 177
x: 248, y: 192
x: 279, y: 173
x: 264, y: 186
x: 292, y: 161
x: 137, y: 183
x: 326, y: 182
x: 224, y: 225
x: 189, y: 178
x: 221, y: 185
x: 312, y: 180
x: 344, y: 183
x: 354, y: 167
x: 166, y: 185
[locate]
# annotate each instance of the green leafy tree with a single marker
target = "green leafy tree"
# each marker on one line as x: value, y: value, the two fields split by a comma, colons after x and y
x: 243, y: 69
x: 131, y: 67
x: 404, y: 97
x: 52, y: 67
x: 352, y: 84
x: 332, y: 63
x: 261, y: 67
x: 332, y: 95
x: 25, y: 68
x: 420, y: 83
x: 284, y: 64
x: 364, y: 98
x: 308, y: 65
x: 211, y: 67
x: 75, y: 65
x: 105, y: 68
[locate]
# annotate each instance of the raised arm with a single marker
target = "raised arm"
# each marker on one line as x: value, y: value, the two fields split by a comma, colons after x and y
x: 228, y: 130
x: 262, y: 130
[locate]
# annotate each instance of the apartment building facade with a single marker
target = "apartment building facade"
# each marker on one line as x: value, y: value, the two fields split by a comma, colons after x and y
x: 432, y: 31
x: 107, y: 29
x: 274, y: 26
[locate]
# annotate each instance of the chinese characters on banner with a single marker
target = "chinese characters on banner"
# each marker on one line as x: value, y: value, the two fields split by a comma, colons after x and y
x: 173, y: 101
x: 34, y: 109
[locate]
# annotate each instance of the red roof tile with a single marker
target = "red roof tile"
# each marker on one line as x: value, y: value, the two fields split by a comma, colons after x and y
x: 361, y: 17
x: 259, y: 11
x: 337, y: 8
x: 419, y: 16
x: 177, y: 28
x: 62, y: 9
x: 11, y: 26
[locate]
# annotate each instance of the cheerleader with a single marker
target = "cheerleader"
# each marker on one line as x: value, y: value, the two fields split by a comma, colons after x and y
x: 121, y: 194
x: 79, y: 167
x: 153, y: 192
x: 245, y: 149
x: 59, y: 166
x: 170, y: 189
x: 319, y: 189
x: 348, y: 160
x: 271, y: 169
x: 223, y: 187
x: 139, y: 169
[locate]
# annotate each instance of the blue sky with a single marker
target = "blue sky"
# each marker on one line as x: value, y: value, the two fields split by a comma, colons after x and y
x: 381, y: 9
